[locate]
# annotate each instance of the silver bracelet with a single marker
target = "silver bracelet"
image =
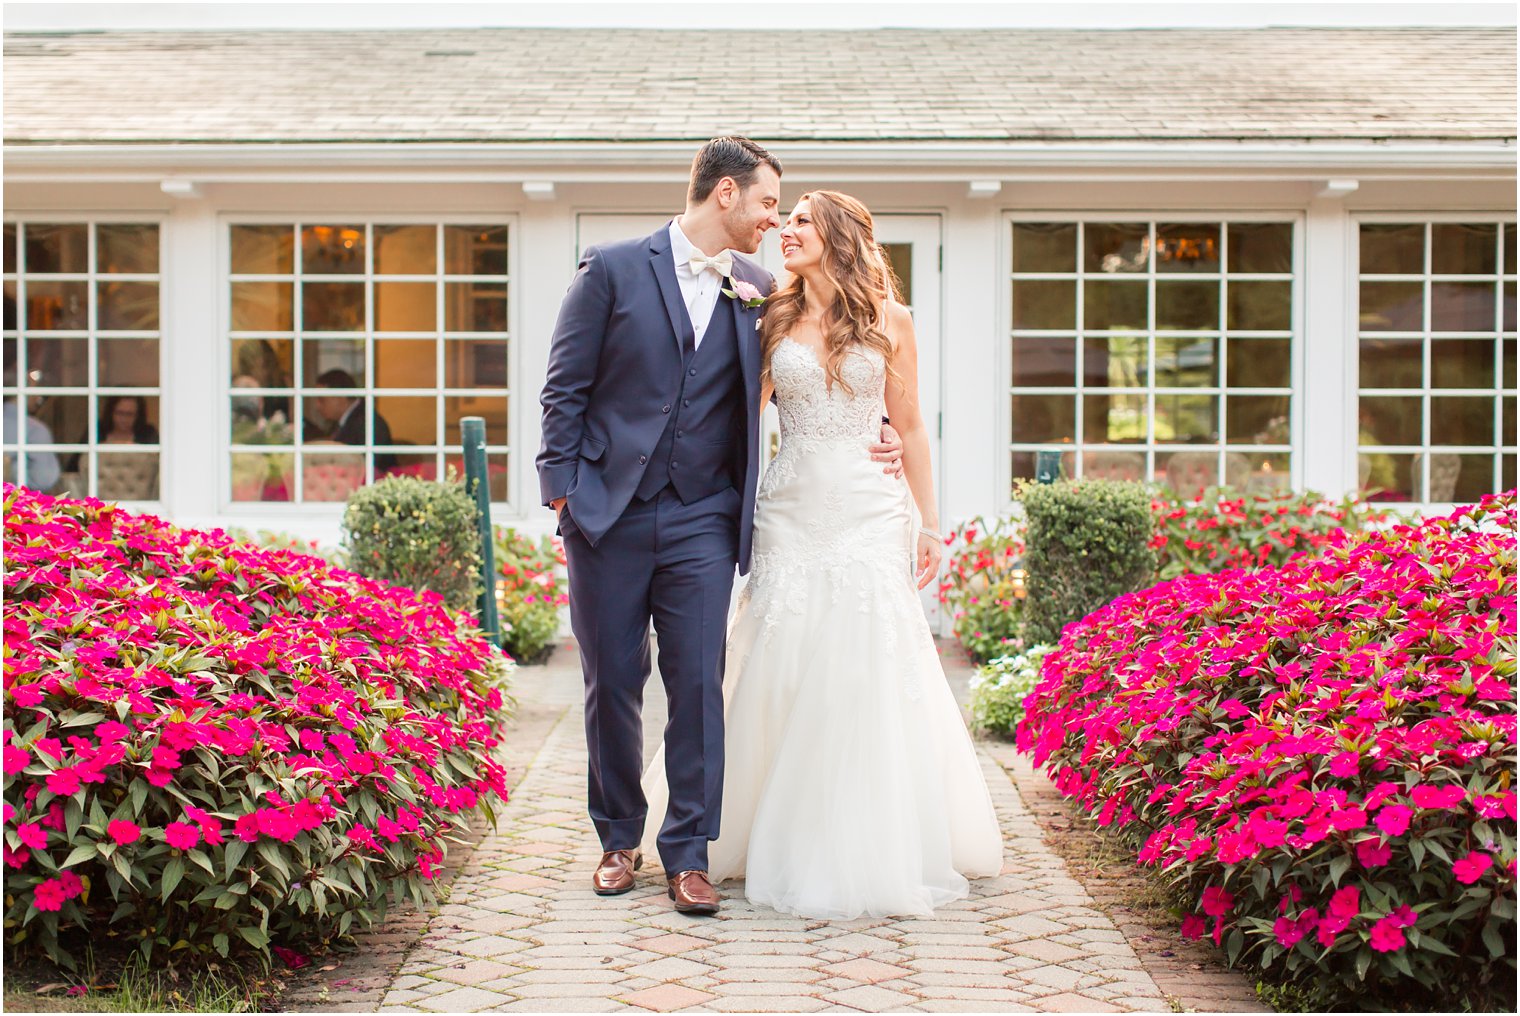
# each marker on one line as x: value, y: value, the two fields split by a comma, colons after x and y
x: 931, y: 534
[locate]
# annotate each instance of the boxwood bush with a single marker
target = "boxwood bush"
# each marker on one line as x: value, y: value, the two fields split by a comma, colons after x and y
x: 1087, y: 541
x: 422, y: 534
x: 211, y: 747
x: 1319, y: 757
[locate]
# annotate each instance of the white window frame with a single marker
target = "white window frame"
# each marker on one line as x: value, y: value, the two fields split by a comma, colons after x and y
x: 91, y: 446
x: 296, y: 508
x: 1353, y: 366
x: 1297, y: 394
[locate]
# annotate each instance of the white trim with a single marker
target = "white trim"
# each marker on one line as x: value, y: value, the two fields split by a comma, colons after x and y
x: 959, y: 161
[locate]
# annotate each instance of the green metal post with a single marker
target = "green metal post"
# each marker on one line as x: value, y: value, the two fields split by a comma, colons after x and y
x: 472, y: 432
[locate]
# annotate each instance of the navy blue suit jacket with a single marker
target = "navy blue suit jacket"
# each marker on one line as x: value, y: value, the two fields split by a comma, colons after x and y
x: 614, y: 362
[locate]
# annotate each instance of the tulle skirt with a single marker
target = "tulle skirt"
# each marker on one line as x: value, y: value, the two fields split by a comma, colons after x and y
x: 851, y: 786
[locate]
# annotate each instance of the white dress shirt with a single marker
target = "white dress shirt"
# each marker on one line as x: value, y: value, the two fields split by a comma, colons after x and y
x: 699, y: 290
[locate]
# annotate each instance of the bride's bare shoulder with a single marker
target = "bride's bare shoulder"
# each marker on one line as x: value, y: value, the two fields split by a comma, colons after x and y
x: 898, y: 323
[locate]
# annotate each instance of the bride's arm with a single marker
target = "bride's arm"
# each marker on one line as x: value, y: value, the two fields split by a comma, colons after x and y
x: 908, y: 419
x: 766, y: 391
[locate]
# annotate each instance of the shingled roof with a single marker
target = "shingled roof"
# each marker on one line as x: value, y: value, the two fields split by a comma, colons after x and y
x: 519, y: 85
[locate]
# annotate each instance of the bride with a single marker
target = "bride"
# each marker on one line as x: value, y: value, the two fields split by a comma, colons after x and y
x: 850, y: 784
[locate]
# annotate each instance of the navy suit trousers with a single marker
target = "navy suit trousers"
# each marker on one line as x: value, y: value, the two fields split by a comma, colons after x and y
x: 675, y: 563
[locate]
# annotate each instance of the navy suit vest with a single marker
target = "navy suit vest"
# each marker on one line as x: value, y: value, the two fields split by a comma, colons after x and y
x: 701, y: 450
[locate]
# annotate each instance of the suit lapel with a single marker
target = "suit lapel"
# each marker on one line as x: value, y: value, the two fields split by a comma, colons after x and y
x: 663, y: 265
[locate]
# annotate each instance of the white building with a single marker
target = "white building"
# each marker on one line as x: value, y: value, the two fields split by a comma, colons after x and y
x: 1276, y: 257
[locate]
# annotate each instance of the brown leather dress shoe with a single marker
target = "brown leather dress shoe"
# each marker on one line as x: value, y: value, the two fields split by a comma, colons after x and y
x: 694, y: 893
x: 614, y: 876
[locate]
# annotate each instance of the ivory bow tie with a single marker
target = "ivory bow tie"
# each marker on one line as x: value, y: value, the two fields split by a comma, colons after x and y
x: 722, y: 263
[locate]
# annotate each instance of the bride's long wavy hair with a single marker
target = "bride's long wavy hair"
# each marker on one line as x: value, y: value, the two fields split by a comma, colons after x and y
x: 857, y: 268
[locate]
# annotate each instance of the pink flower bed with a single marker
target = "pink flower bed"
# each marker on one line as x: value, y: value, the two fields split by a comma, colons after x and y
x: 208, y: 745
x: 1318, y: 756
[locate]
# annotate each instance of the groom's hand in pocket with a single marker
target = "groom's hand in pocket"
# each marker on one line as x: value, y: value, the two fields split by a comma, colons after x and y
x: 890, y: 450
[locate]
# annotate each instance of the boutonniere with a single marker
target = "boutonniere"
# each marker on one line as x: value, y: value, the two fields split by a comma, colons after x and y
x: 748, y: 294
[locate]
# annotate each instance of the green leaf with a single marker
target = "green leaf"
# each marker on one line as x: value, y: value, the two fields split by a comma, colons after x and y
x: 173, y: 872
x: 235, y: 851
x: 1493, y: 939
x: 271, y: 855
x: 199, y: 858
x: 221, y: 943
x: 1338, y: 868
x: 139, y: 796
x: 85, y: 851
x: 254, y: 936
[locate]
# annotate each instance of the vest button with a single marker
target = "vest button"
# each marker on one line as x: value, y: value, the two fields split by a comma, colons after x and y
x: 643, y: 459
x: 664, y: 409
x: 685, y: 402
x: 680, y: 433
x: 672, y: 467
x: 692, y: 372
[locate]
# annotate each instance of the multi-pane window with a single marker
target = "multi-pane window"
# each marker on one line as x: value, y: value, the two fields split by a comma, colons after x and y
x: 81, y: 389
x: 356, y: 349
x: 1436, y: 319
x: 1157, y: 350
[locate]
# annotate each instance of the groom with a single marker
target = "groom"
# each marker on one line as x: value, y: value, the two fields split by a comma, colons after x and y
x: 651, y: 450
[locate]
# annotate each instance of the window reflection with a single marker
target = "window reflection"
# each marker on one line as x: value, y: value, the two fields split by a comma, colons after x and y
x: 60, y: 420
x: 1143, y: 383
x: 1440, y: 447
x: 357, y: 393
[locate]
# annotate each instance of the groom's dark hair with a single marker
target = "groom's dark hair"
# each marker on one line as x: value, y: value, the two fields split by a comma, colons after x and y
x: 737, y: 157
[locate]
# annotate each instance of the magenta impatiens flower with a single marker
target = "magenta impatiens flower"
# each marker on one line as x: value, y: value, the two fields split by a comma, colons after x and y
x: 181, y: 835
x: 1216, y: 901
x: 32, y: 834
x: 122, y: 831
x: 1387, y: 935
x: 1471, y: 868
x: 1393, y: 819
x: 16, y: 759
x: 1426, y: 796
x: 49, y: 895
x: 63, y: 781
x: 1193, y: 926
x: 1373, y: 853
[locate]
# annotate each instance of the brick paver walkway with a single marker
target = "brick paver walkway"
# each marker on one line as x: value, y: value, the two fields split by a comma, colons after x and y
x: 522, y: 930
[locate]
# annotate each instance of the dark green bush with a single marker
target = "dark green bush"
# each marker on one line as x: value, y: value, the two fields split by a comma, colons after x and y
x: 417, y: 533
x: 1088, y: 541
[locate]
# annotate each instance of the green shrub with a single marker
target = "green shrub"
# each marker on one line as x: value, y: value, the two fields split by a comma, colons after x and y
x: 998, y: 689
x: 421, y: 534
x: 530, y: 589
x: 1088, y: 541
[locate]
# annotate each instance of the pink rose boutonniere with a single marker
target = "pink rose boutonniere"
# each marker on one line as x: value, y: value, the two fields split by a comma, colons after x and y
x: 742, y: 290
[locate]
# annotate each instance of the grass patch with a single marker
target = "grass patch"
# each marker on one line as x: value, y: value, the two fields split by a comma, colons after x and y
x: 130, y: 985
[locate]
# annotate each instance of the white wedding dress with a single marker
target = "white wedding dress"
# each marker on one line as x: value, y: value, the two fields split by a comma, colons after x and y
x: 850, y: 785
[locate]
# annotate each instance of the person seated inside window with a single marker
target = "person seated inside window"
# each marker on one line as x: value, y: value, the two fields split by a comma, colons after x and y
x: 42, y: 468
x: 124, y: 420
x: 340, y: 414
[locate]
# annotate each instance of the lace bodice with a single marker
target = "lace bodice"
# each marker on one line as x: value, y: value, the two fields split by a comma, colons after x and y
x: 811, y: 412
